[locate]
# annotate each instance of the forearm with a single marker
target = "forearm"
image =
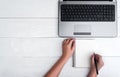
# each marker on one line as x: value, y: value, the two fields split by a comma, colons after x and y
x: 92, y: 74
x: 56, y: 69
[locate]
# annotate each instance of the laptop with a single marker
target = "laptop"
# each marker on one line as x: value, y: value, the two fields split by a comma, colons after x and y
x: 87, y: 18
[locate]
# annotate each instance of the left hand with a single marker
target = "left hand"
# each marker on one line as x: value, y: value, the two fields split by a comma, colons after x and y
x: 68, y: 48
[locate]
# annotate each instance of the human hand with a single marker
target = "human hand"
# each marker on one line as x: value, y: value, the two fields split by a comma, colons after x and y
x: 68, y: 48
x: 100, y: 64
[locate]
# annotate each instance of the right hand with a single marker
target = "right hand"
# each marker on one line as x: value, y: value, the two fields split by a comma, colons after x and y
x: 100, y: 63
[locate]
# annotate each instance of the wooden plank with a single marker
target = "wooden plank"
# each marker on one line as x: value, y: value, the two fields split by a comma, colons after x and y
x: 32, y: 27
x: 32, y: 8
x: 33, y: 47
x: 28, y: 28
x: 28, y: 8
x: 33, y: 67
x: 37, y: 67
x: 25, y: 67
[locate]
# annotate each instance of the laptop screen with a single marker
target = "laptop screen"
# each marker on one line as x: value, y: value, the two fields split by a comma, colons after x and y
x: 87, y: 0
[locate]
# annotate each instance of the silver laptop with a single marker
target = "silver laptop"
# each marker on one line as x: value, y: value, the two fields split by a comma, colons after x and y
x: 88, y: 18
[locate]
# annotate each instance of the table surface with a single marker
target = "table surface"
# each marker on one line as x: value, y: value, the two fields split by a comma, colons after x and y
x: 29, y: 42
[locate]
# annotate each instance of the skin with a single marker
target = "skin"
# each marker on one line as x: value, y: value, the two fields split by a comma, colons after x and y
x: 100, y: 64
x: 68, y: 49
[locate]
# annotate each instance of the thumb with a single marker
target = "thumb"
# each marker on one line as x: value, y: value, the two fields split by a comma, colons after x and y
x: 92, y: 59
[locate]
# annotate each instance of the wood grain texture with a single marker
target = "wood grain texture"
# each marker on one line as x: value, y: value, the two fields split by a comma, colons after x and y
x: 32, y: 8
x: 32, y: 27
x: 29, y: 43
x: 28, y: 27
x: 37, y: 67
x: 28, y: 8
x: 31, y: 47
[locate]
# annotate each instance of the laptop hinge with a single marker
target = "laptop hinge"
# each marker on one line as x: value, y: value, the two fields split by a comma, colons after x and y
x: 87, y: 0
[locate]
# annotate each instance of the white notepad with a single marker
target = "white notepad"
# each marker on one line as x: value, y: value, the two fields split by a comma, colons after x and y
x: 85, y: 48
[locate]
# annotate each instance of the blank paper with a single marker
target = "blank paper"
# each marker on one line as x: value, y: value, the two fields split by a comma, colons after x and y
x: 85, y: 48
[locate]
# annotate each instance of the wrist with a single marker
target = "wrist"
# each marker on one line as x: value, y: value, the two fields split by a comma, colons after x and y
x: 64, y: 57
x: 92, y: 73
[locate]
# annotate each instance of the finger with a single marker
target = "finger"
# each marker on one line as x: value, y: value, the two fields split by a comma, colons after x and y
x: 73, y: 39
x: 98, y: 57
x: 73, y: 45
x: 64, y: 41
x: 67, y: 41
x: 92, y: 59
x: 70, y: 42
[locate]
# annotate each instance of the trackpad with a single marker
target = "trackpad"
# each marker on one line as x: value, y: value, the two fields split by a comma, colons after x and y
x: 82, y: 30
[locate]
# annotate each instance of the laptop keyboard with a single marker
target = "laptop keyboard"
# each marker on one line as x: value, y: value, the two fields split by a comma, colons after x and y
x: 70, y: 12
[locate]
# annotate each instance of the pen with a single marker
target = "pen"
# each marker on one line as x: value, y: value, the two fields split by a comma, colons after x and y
x: 95, y: 61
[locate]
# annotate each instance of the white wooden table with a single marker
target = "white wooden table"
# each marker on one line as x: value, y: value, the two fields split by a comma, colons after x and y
x: 29, y: 42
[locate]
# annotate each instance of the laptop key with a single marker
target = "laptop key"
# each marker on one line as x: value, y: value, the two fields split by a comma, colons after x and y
x: 72, y: 12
